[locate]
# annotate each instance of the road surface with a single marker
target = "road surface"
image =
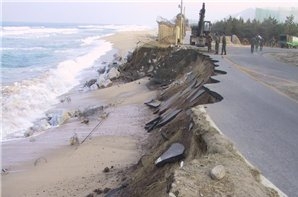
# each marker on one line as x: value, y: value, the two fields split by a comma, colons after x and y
x: 260, y: 120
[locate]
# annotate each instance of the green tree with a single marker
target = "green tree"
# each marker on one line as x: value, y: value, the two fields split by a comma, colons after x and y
x: 269, y: 28
x: 290, y: 27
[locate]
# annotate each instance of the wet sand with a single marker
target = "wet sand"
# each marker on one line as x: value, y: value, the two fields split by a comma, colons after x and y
x: 46, y: 165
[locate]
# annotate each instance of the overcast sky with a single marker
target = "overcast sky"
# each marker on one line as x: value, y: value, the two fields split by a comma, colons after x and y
x: 140, y: 12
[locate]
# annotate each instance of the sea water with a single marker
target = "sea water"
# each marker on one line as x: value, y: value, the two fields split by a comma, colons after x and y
x: 40, y: 62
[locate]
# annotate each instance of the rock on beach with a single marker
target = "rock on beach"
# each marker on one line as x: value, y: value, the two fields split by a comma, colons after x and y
x: 218, y: 172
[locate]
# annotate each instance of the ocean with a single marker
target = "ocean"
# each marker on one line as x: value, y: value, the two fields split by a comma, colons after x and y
x: 40, y: 62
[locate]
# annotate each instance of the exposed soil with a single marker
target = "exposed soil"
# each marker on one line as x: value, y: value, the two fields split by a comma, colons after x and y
x: 180, y: 74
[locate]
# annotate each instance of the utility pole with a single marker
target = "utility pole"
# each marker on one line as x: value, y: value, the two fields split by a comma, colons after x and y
x: 184, y: 22
x: 181, y: 7
x: 181, y: 22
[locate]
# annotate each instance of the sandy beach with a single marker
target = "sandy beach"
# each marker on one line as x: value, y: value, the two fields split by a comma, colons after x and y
x: 47, y: 165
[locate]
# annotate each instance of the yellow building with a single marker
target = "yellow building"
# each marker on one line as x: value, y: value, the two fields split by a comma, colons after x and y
x: 171, y: 32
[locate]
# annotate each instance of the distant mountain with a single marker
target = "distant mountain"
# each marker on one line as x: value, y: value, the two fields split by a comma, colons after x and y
x: 260, y: 14
x: 249, y: 13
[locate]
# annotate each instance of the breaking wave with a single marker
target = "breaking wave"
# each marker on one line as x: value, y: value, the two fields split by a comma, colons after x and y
x: 25, y: 101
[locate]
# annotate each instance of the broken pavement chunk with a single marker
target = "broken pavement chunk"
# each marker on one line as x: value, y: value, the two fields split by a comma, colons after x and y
x: 168, y: 117
x: 219, y: 72
x: 211, y: 80
x: 162, y: 120
x: 153, y: 103
x: 173, y: 154
x: 150, y: 125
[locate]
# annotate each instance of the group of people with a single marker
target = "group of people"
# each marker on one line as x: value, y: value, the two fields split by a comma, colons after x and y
x: 256, y: 42
x: 217, y: 41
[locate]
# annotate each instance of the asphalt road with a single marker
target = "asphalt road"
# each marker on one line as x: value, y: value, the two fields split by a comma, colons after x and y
x: 261, y: 121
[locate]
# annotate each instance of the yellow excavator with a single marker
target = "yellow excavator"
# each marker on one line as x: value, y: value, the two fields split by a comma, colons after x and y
x: 200, y: 32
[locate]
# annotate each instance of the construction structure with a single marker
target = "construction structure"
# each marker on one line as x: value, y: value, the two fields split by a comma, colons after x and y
x: 200, y: 32
x: 172, y: 32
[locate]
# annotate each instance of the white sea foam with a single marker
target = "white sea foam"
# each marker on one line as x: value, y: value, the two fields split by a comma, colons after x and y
x: 36, y: 31
x: 118, y: 27
x: 92, y: 27
x: 16, y: 28
x: 23, y: 49
x: 92, y: 39
x: 26, y: 101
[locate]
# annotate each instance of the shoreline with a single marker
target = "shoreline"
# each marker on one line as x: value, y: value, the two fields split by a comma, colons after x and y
x: 124, y: 102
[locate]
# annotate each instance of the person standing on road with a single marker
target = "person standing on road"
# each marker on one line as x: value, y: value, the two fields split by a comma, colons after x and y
x: 261, y: 44
x: 224, y: 45
x: 252, y: 44
x: 257, y: 43
x: 209, y: 41
x: 217, y: 40
x: 272, y: 42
